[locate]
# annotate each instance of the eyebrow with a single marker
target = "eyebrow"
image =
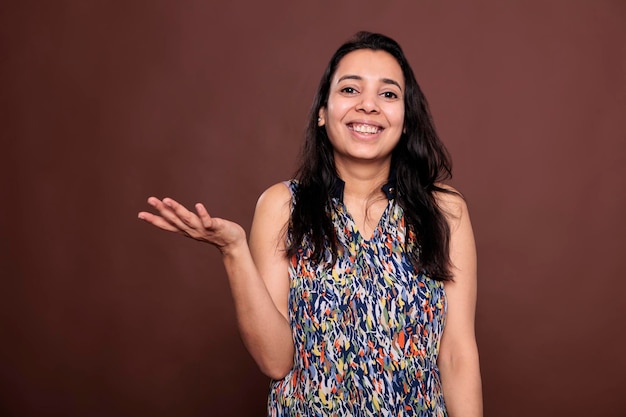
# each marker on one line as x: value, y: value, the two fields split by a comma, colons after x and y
x: 358, y: 77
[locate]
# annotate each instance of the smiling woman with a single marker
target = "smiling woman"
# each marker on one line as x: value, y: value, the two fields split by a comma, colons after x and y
x: 364, y: 116
x: 356, y: 292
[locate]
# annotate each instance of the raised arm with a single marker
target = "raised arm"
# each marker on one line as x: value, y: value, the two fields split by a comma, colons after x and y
x: 458, y: 356
x: 257, y: 272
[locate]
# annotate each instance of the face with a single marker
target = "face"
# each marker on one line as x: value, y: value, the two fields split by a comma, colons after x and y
x: 364, y: 116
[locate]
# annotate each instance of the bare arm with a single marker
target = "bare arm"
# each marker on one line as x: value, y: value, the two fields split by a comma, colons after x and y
x: 257, y: 272
x: 458, y: 356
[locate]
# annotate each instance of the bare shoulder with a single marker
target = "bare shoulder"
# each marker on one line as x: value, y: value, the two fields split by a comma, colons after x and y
x: 271, y: 215
x: 276, y: 197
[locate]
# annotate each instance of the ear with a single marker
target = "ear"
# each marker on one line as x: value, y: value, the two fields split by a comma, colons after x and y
x: 321, y: 117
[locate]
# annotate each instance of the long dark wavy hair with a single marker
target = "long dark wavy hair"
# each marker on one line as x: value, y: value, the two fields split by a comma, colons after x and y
x: 419, y: 162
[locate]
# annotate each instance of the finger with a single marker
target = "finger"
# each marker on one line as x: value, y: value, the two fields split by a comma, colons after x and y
x: 203, y: 214
x: 153, y: 201
x: 160, y: 206
x: 165, y: 211
x: 157, y: 221
x: 177, y: 215
x: 185, y: 216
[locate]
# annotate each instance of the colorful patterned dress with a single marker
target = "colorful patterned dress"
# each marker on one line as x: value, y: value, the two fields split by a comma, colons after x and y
x: 366, y: 330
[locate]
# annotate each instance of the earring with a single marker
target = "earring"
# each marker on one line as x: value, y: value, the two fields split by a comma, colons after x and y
x: 319, y: 119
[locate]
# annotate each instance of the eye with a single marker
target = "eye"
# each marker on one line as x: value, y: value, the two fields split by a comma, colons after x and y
x: 348, y: 90
x: 389, y: 94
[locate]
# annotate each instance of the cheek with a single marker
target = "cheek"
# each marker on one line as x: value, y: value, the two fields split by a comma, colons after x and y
x: 337, y: 109
x: 330, y: 111
x: 394, y: 113
x: 398, y: 117
x: 397, y: 121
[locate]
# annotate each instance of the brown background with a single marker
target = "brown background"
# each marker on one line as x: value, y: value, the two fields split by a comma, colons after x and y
x: 105, y: 103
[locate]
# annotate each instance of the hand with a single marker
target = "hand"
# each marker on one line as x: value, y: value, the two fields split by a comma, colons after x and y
x: 174, y: 217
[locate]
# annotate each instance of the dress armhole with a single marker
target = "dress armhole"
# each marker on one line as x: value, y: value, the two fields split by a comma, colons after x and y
x: 292, y: 186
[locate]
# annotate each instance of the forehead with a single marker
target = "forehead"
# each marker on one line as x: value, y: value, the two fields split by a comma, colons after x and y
x: 369, y: 64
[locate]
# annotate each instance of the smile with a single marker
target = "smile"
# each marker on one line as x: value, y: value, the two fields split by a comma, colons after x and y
x: 366, y: 129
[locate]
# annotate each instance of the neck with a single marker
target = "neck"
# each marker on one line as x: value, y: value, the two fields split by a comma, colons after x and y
x: 363, y: 179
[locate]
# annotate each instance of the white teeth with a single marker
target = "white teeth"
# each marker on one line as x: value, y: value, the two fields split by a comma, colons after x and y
x: 365, y: 129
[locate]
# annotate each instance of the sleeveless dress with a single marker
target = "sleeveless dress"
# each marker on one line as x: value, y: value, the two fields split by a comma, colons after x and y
x: 366, y: 330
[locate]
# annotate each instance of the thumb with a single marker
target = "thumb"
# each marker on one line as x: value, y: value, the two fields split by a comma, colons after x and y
x: 203, y: 214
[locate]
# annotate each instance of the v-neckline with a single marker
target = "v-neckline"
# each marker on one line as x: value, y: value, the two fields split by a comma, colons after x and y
x: 357, y: 231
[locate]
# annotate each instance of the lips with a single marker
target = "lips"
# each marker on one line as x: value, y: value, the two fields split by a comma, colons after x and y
x: 365, y: 128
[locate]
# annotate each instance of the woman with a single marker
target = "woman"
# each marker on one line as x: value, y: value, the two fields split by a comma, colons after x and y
x: 353, y: 269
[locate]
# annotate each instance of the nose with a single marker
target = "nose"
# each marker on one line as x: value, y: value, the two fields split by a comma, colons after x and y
x: 368, y: 103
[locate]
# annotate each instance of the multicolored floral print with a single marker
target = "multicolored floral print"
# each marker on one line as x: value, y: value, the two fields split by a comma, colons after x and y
x: 366, y: 330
